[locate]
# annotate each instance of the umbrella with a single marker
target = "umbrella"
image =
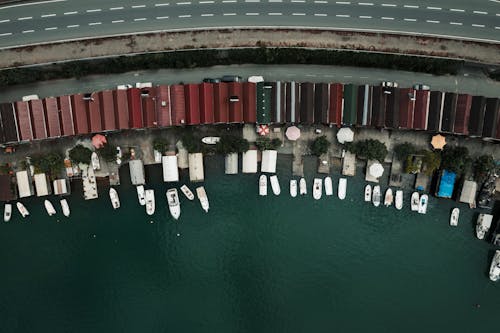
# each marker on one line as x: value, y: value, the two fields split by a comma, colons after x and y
x: 376, y: 170
x: 292, y: 133
x: 438, y: 141
x: 98, y: 140
x: 263, y: 130
x: 345, y: 134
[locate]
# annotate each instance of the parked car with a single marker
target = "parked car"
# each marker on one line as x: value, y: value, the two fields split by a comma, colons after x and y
x: 231, y: 78
x: 211, y: 80
x: 255, y: 79
x: 421, y: 86
x: 390, y: 84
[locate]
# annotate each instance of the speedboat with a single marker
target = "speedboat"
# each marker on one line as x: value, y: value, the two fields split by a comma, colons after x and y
x: 328, y: 186
x: 454, y: 217
x: 293, y: 187
x: 95, y: 161
x: 415, y: 201
x: 376, y: 195
x: 187, y: 192
x: 202, y: 196
x: 140, y: 195
x: 263, y: 185
x: 422, y: 205
x: 368, y: 193
x: 399, y: 199
x: 173, y: 203
x: 150, y: 201
x: 22, y: 210
x: 7, y: 212
x: 115, y: 200
x: 342, y: 188
x: 49, y: 207
x: 389, y: 198
x: 65, y: 207
x: 119, y: 156
x: 302, y: 186
x: 483, y: 225
x: 317, y: 188
x: 210, y: 140
x: 275, y: 185
x: 495, y: 267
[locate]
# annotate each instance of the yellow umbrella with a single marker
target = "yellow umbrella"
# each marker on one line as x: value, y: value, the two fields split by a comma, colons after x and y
x: 438, y: 141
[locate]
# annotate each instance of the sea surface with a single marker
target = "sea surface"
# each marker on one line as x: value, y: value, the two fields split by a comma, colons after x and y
x: 252, y: 264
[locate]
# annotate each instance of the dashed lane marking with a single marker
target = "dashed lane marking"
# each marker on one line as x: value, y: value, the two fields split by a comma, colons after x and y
x: 4, y: 21
x: 140, y: 19
x: 342, y: 15
x: 457, y: 10
x: 365, y: 17
x: 410, y: 20
x: 95, y: 23
x: 48, y: 15
x: 251, y: 14
x: 28, y: 31
x: 274, y: 14
x: 25, y: 18
x: 138, y: 6
x: 432, y: 21
x: 71, y: 13
x: 51, y: 28
x: 456, y: 23
x: 183, y: 3
x: 389, y: 5
x: 434, y: 8
x: 116, y: 8
x: 207, y: 15
x: 411, y: 6
x: 94, y: 10
x: 6, y: 34
x: 228, y: 14
x: 162, y: 17
x: 365, y: 3
x: 118, y: 21
x: 478, y: 25
x: 387, y: 18
x: 73, y: 26
x: 184, y: 16
x: 162, y: 4
x: 480, y: 12
x: 320, y: 14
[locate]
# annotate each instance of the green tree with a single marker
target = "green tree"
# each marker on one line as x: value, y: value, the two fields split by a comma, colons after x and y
x: 50, y: 163
x: 108, y: 152
x: 232, y: 144
x: 160, y: 145
x: 320, y: 146
x: 483, y: 165
x: 455, y: 159
x: 264, y: 143
x: 403, y: 150
x: 431, y: 160
x: 191, y: 143
x: 80, y: 154
x: 369, y: 149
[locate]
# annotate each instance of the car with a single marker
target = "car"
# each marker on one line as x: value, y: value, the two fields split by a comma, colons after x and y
x: 231, y: 78
x: 124, y: 86
x: 421, y: 86
x: 255, y: 79
x: 211, y: 80
x: 390, y: 84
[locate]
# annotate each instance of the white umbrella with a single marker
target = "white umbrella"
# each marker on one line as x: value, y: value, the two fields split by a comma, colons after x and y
x: 292, y: 133
x: 376, y: 170
x: 345, y: 134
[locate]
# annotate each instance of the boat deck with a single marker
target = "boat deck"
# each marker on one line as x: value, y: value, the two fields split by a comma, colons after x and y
x: 89, y: 186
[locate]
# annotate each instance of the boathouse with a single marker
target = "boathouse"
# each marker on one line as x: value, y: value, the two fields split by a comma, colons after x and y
x: 170, y: 169
x: 60, y: 187
x: 269, y: 158
x: 249, y: 161
x: 41, y: 185
x: 23, y: 184
x: 468, y: 194
x: 231, y: 164
x: 196, y: 173
x: 137, y: 172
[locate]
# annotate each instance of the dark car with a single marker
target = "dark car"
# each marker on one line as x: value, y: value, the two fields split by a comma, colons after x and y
x: 231, y: 78
x: 211, y: 80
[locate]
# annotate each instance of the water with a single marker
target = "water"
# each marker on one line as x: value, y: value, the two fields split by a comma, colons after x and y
x: 273, y: 264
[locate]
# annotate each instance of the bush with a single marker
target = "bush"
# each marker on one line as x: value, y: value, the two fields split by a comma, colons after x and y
x: 108, y: 152
x: 483, y: 166
x: 403, y: 150
x: 50, y: 163
x: 320, y: 146
x: 431, y: 160
x: 369, y: 149
x: 455, y: 159
x: 160, y: 145
x: 232, y: 144
x: 80, y: 154
x: 264, y: 143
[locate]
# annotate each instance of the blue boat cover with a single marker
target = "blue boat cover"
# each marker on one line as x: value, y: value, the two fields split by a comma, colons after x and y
x: 446, y: 184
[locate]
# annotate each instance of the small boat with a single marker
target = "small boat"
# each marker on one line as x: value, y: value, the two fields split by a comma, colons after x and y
x: 150, y: 201
x: 7, y: 212
x: 376, y: 195
x: 49, y: 207
x: 495, y: 267
x: 302, y: 186
x: 342, y: 188
x: 388, y: 198
x: 173, y: 203
x: 65, y: 207
x: 187, y: 192
x: 119, y: 156
x: 140, y: 195
x: 115, y: 200
x: 210, y: 140
x: 422, y: 205
x: 22, y: 210
x: 368, y: 193
x: 293, y: 187
x: 202, y: 196
x: 454, y: 217
x: 317, y: 188
x: 275, y: 185
x: 483, y: 225
x: 95, y: 161
x: 399, y: 199
x: 415, y: 201
x: 328, y: 186
x: 263, y: 185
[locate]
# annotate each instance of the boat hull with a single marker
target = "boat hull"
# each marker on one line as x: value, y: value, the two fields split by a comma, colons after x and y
x: 368, y: 193
x: 174, y: 205
x: 399, y: 200
x: 342, y: 188
x: 328, y: 186
x: 22, y: 210
x: 317, y: 188
x: 150, y: 202
x: 388, y: 198
x: 187, y: 192
x: 422, y: 206
x: 302, y: 186
x: 141, y: 195
x: 454, y: 217
x: 263, y: 185
x: 376, y: 196
x: 49, y: 207
x: 415, y: 201
x: 495, y: 267
x: 65, y: 207
x: 293, y: 188
x: 202, y: 196
x: 115, y: 200
x: 7, y: 212
x: 275, y: 185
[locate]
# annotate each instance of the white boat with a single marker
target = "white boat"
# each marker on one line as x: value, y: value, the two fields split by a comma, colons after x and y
x: 293, y: 187
x: 422, y: 205
x: 263, y: 185
x: 368, y: 193
x: 187, y: 192
x: 302, y: 186
x: 342, y: 188
x: 202, y: 196
x: 115, y: 200
x: 119, y: 155
x: 388, y: 198
x: 328, y: 186
x: 65, y: 207
x: 140, y: 195
x: 455, y: 213
x: 415, y: 201
x: 495, y: 267
x: 7, y: 212
x: 150, y: 201
x: 210, y: 140
x: 49, y: 207
x: 275, y: 184
x: 399, y: 199
x: 95, y: 161
x: 483, y: 225
x: 22, y: 210
x: 317, y: 188
x: 376, y: 195
x: 173, y: 203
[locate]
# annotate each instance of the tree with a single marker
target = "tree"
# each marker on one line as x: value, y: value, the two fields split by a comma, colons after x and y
x: 403, y: 150
x: 264, y: 143
x: 431, y: 160
x: 108, y: 152
x: 320, y: 146
x: 50, y: 163
x: 160, y: 145
x: 232, y: 144
x: 455, y: 159
x: 369, y: 149
x: 483, y: 166
x: 192, y: 144
x: 80, y: 154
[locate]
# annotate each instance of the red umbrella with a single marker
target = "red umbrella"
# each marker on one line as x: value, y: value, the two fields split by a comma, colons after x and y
x: 98, y: 140
x: 263, y: 130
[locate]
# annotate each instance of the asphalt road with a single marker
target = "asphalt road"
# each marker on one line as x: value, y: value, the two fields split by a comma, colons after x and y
x: 38, y: 22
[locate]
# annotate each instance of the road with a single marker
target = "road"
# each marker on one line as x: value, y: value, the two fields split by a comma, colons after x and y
x: 38, y: 22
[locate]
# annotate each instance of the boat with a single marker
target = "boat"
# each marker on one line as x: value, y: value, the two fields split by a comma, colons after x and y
x: 495, y: 267
x: 328, y: 186
x: 202, y: 196
x: 454, y: 217
x: 483, y: 225
x: 173, y: 203
x: 317, y: 188
x: 187, y: 192
x: 65, y: 207
x: 7, y: 212
x: 302, y: 186
x: 263, y: 185
x: 119, y: 155
x: 95, y: 161
x: 293, y: 188
x: 49, y: 207
x: 140, y: 195
x: 150, y: 201
x: 115, y: 200
x: 275, y: 184
x: 388, y: 198
x: 342, y: 188
x: 399, y: 200
x: 422, y: 205
x: 415, y: 201
x: 210, y: 140
x: 376, y: 195
x: 22, y: 210
x: 368, y: 193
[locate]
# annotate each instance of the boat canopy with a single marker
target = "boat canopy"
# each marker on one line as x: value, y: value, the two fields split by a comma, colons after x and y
x: 196, y: 173
x: 446, y: 184
x: 41, y: 186
x: 170, y: 169
x: 231, y: 164
x: 249, y: 161
x: 60, y: 187
x: 137, y: 172
x: 468, y: 194
x: 269, y: 158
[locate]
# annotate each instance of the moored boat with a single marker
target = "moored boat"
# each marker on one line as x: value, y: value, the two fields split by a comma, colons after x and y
x: 65, y: 207
x: 399, y: 199
x: 376, y: 195
x: 415, y: 201
x: 187, y: 192
x: 140, y: 195
x: 368, y: 193
x: 173, y: 203
x: 113, y: 196
x: 49, y: 207
x: 293, y: 188
x: 342, y: 188
x: 150, y: 202
x: 328, y: 186
x: 388, y: 198
x: 210, y: 140
x: 302, y: 186
x: 495, y: 267
x: 7, y: 212
x: 317, y: 188
x: 483, y: 225
x: 422, y: 205
x: 455, y: 212
x: 263, y: 185
x: 202, y: 196
x: 95, y: 161
x: 22, y: 210
x: 275, y: 184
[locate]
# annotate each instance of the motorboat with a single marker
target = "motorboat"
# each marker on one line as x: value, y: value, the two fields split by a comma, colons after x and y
x: 187, y: 192
x: 455, y: 212
x: 342, y: 188
x: 140, y: 195
x: 275, y: 185
x: 293, y: 187
x: 263, y: 185
x: 376, y: 195
x: 422, y: 205
x: 22, y: 210
x: 317, y: 188
x: 388, y: 198
x: 210, y: 140
x: 399, y: 199
x: 119, y: 156
x: 49, y: 207
x: 95, y: 161
x: 368, y: 193
x: 302, y: 186
x: 483, y: 225
x: 7, y: 212
x: 65, y: 207
x: 328, y: 186
x: 115, y: 200
x: 202, y: 196
x: 150, y: 201
x: 495, y: 267
x: 415, y: 201
x: 173, y: 203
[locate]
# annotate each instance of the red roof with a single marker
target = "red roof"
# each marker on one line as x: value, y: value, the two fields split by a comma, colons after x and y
x: 192, y: 98
x: 249, y: 102
x: 66, y: 115
x: 163, y: 106
x: 122, y: 114
x: 178, y: 104
x: 94, y: 106
x: 135, y: 107
x: 24, y: 121
x: 221, y: 103
x: 335, y: 107
x: 148, y: 107
x: 80, y: 114
x: 406, y: 106
x: 206, y: 103
x: 235, y: 102
x: 107, y: 110
x: 464, y: 103
x: 421, y: 109
x: 38, y: 119
x: 52, y: 112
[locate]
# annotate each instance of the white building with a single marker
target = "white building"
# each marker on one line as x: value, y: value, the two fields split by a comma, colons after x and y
x: 249, y: 161
x: 170, y: 168
x: 23, y: 184
x: 269, y: 158
x: 41, y: 185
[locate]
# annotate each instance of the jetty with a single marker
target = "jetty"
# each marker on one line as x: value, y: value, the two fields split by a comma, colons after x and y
x: 89, y: 183
x: 196, y: 172
x: 349, y: 164
x: 231, y: 164
x: 249, y: 161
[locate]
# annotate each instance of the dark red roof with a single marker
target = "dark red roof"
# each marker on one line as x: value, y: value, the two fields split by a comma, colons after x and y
x: 80, y: 114
x: 221, y: 103
x: 52, y: 113
x: 421, y: 109
x: 149, y: 107
x: 462, y: 114
x: 122, y: 114
x: 206, y: 103
x: 249, y: 102
x: 66, y: 115
x: 335, y: 107
x: 178, y: 104
x: 6, y: 192
x: 94, y: 107
x: 406, y: 106
x: 135, y: 107
x: 107, y: 102
x: 38, y: 119
x: 235, y: 94
x: 163, y: 106
x: 192, y: 98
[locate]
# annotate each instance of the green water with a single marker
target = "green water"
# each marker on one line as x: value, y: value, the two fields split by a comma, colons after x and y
x: 253, y: 264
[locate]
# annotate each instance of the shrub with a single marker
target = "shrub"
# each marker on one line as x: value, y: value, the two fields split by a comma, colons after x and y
x: 320, y: 146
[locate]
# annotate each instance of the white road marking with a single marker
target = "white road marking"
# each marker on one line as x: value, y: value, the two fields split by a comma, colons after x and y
x: 4, y: 21
x: 252, y: 0
x: 365, y: 3
x: 28, y: 31
x: 432, y: 21
x: 298, y: 14
x: 48, y: 15
x: 434, y: 8
x: 365, y: 17
x: 203, y: 2
x: 343, y: 2
x: 229, y: 1
x: 347, y: 76
x: 31, y: 3
x: 343, y: 15
x: 456, y: 23
x: 480, y: 12
x: 140, y: 19
x: 70, y: 13
x: 163, y: 4
x: 25, y: 18
x: 252, y: 14
x: 138, y: 6
x: 51, y: 28
x: 184, y: 16
x: 456, y: 10
x: 389, y: 5
x: 411, y: 6
x: 95, y: 23
x: 116, y: 8
x: 162, y: 17
x: 274, y: 14
x: 497, y: 28
x: 207, y: 14
x: 320, y: 1
x: 73, y: 26
x: 410, y: 20
x: 183, y: 3
x: 118, y: 21
x: 478, y: 25
x: 94, y: 10
x: 299, y: 1
x: 320, y: 14
x: 498, y: 14
x: 275, y: 0
x: 6, y: 34
x: 387, y: 18
x: 228, y: 14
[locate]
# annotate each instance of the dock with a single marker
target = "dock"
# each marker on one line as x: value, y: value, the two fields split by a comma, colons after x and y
x: 324, y: 164
x: 349, y: 164
x: 89, y: 183
x: 298, y: 160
